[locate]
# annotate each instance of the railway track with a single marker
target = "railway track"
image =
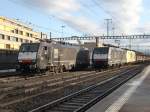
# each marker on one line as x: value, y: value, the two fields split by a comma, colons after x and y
x: 84, y: 99
x: 24, y: 99
x: 22, y: 77
x: 18, y: 77
x: 32, y: 82
x: 52, y: 84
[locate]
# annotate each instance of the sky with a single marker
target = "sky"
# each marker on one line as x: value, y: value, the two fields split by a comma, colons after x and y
x: 81, y: 17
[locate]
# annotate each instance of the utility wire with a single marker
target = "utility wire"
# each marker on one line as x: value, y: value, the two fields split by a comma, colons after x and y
x: 107, y: 12
x: 38, y: 26
x: 90, y: 10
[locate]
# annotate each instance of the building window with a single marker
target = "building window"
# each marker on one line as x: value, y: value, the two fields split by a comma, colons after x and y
x: 2, y: 36
x: 16, y: 31
x: 7, y: 46
x: 20, y: 40
x: 7, y: 37
x: 21, y: 32
x: 31, y: 35
x: 12, y: 31
x: 27, y: 34
x: 14, y: 39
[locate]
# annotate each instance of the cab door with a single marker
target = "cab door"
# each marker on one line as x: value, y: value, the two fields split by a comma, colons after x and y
x: 43, y: 57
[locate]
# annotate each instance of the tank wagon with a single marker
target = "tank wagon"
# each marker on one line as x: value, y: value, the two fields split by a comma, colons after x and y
x: 53, y: 56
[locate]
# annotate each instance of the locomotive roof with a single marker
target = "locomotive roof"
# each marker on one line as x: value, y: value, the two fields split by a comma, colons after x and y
x: 66, y: 44
x: 60, y: 42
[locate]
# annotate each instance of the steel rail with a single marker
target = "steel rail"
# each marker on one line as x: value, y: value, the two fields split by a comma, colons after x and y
x: 84, y: 99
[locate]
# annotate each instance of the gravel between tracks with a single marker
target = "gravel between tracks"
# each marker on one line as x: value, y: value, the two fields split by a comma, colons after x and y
x: 51, y: 94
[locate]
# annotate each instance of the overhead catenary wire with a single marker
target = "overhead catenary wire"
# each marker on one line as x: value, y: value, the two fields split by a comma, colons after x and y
x: 89, y: 9
x: 14, y: 1
x: 107, y: 12
x: 33, y: 25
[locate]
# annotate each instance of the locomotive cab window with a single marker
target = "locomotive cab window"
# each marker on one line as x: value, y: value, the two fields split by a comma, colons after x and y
x: 103, y: 50
x: 32, y: 47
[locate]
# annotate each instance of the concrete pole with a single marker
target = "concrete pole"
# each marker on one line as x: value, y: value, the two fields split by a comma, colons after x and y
x: 108, y: 23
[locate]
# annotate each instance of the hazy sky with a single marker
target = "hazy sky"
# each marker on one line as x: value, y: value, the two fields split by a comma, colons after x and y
x: 81, y: 16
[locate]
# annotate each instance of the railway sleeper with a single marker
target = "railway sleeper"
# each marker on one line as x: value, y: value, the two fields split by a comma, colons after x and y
x: 95, y: 92
x: 52, y: 111
x: 90, y: 95
x: 58, y: 109
x: 80, y: 100
x: 73, y: 103
x: 69, y: 106
x: 85, y: 98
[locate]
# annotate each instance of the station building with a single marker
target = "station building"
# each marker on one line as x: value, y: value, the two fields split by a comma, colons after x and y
x: 13, y: 33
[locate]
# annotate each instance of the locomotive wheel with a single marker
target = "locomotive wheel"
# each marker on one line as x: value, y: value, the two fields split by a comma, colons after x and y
x: 56, y: 70
x: 64, y: 68
x: 61, y: 69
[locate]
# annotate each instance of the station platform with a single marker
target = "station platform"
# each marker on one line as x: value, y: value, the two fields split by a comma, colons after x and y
x: 133, y: 96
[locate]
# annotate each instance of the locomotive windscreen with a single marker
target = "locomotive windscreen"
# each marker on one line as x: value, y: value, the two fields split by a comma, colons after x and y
x: 102, y: 50
x: 29, y: 47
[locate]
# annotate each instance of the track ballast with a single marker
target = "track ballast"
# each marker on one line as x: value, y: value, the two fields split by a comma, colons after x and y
x: 84, y: 99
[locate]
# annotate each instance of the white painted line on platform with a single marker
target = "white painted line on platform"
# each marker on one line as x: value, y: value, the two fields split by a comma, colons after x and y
x: 117, y: 105
x: 9, y: 70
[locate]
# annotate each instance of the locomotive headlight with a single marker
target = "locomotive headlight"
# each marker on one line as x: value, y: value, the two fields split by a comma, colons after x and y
x: 20, y: 61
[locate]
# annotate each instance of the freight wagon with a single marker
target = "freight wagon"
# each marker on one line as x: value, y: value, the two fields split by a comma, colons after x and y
x: 8, y: 59
x: 140, y: 57
x: 130, y: 56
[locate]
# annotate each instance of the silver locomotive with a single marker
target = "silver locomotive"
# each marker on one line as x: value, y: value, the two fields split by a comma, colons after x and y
x: 52, y: 56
